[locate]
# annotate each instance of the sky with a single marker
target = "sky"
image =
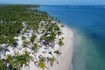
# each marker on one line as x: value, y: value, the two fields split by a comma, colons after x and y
x: 55, y: 2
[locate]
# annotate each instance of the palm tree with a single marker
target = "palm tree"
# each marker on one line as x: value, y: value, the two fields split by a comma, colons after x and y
x: 52, y: 37
x: 57, y: 52
x: 61, y: 43
x: 3, y: 65
x: 32, y: 38
x: 25, y: 43
x: 42, y: 65
x: 10, y: 60
x: 18, y: 61
x: 59, y: 33
x: 62, y: 38
x: 52, y: 60
x: 23, y: 37
x: 35, y: 47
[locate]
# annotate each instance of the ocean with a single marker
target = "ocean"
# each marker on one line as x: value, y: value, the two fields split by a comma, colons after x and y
x: 88, y: 23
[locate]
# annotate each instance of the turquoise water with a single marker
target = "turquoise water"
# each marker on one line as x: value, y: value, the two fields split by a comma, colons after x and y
x: 88, y: 23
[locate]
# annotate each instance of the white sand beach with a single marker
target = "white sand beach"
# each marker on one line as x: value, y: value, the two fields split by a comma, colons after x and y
x: 65, y: 58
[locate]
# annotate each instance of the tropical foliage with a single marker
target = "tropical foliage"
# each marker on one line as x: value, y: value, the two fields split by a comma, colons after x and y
x: 61, y: 43
x: 14, y: 62
x: 57, y: 52
x: 52, y: 60
x: 11, y: 26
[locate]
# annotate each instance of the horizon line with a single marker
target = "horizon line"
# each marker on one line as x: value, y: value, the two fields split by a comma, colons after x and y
x: 54, y: 4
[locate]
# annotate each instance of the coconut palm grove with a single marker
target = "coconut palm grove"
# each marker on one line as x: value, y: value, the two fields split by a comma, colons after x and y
x: 28, y: 35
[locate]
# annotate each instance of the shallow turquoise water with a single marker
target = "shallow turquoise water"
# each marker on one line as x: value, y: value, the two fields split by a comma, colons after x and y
x: 88, y: 23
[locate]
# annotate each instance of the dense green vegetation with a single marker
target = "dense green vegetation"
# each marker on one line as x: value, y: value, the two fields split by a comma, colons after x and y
x: 8, y: 30
x: 15, y: 62
x: 3, y: 65
x: 11, y: 25
x: 17, y: 12
x: 11, y: 18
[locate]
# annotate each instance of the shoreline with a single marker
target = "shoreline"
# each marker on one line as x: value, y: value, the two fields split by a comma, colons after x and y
x: 40, y: 44
x: 65, y: 59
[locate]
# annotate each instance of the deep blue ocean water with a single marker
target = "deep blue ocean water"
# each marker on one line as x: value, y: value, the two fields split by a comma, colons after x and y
x: 88, y: 23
